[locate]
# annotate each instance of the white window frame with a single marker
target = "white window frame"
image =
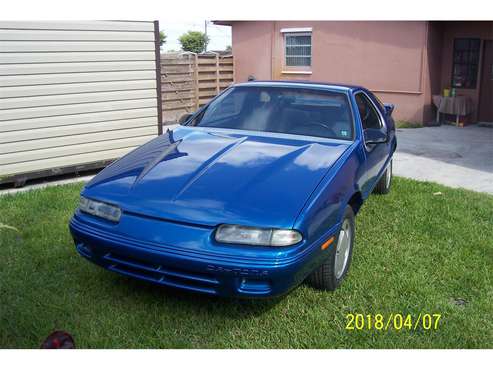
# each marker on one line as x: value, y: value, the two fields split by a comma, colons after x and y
x: 301, y: 31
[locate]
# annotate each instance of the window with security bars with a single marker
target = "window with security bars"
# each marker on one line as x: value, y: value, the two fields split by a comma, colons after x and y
x: 298, y: 50
x: 466, y: 62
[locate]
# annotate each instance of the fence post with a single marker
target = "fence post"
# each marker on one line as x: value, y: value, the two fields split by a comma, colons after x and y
x: 196, y: 78
x: 217, y: 74
x: 190, y: 80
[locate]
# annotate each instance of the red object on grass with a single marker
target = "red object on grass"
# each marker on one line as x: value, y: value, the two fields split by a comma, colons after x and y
x: 58, y: 340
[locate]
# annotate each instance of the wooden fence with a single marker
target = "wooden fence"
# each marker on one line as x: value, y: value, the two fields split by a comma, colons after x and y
x: 190, y: 80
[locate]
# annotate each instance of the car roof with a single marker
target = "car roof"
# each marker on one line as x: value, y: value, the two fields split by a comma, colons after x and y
x: 306, y: 84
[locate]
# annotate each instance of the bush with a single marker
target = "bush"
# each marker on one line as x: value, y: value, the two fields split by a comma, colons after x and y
x: 194, y: 41
x: 162, y: 38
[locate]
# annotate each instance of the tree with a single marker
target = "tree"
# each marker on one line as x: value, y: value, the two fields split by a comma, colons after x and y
x: 228, y: 48
x: 162, y: 38
x: 194, y: 41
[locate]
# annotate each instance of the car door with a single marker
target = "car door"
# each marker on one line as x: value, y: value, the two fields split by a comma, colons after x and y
x: 376, y: 154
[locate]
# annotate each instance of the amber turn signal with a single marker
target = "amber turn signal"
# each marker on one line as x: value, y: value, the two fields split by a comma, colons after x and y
x: 327, y: 243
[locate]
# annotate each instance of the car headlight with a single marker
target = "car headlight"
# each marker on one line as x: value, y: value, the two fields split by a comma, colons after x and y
x: 100, y: 209
x: 235, y: 234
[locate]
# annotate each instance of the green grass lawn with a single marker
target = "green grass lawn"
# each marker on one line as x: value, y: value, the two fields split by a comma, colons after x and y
x: 415, y: 252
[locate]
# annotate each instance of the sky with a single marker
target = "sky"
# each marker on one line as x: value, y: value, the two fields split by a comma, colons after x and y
x: 220, y: 36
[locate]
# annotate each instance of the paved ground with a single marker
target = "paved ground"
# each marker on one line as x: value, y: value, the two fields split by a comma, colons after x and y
x: 453, y: 156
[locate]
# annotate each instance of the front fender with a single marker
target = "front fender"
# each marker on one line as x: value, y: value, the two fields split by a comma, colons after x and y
x: 326, y: 205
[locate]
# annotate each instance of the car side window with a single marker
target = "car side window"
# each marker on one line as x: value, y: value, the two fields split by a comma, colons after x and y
x: 367, y: 112
x: 378, y: 102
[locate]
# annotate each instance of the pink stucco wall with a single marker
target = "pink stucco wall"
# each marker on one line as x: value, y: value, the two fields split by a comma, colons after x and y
x: 386, y: 57
x: 252, y: 49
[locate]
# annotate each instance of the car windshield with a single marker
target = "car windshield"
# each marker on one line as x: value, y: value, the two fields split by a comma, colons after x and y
x: 299, y: 111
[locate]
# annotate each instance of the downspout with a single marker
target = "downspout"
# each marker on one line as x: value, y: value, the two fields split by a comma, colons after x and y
x: 273, y: 51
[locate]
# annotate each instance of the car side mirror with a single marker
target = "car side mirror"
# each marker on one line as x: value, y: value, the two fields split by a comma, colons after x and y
x: 389, y: 108
x: 375, y: 136
x: 184, y: 118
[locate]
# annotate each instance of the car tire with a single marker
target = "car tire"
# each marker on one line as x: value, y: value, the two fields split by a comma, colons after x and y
x: 333, y: 271
x: 383, y: 185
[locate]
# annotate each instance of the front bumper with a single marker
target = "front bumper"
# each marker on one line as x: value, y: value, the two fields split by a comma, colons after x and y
x: 200, y: 270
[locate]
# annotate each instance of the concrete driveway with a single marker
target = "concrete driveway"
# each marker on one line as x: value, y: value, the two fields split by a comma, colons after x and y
x: 452, y: 156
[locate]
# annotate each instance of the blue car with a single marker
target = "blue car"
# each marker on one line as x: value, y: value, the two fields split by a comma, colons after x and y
x: 251, y: 195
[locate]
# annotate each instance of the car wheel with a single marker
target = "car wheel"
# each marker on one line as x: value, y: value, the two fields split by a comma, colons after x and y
x: 331, y: 273
x: 383, y: 185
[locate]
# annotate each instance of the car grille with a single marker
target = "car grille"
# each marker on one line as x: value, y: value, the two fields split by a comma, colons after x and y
x: 162, y: 275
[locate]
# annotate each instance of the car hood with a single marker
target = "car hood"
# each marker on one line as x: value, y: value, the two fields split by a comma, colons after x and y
x: 211, y: 176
